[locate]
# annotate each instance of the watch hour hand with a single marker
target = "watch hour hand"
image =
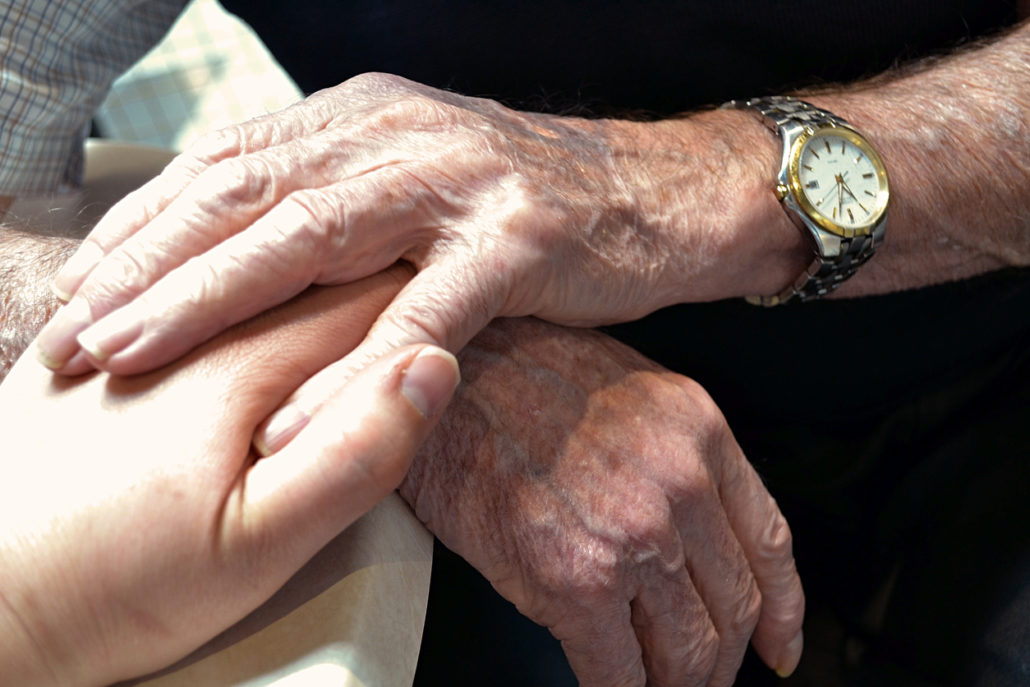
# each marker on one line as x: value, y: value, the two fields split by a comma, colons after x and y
x: 854, y: 198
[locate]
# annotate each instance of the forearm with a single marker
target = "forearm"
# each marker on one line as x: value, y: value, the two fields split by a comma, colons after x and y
x: 28, y: 262
x: 953, y: 133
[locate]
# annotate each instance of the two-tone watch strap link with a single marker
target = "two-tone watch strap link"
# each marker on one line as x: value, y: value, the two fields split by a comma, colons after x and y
x: 779, y: 111
x: 823, y: 275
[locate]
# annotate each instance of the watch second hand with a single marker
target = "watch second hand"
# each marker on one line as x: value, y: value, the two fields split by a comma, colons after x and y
x: 826, y: 196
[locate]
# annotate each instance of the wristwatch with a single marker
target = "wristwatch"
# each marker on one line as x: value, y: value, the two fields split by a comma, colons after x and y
x: 832, y: 184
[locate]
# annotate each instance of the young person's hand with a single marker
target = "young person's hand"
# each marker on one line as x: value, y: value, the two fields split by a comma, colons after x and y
x: 135, y: 520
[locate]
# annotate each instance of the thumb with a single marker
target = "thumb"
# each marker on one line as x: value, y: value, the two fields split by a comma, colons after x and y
x: 355, y: 450
x: 430, y: 309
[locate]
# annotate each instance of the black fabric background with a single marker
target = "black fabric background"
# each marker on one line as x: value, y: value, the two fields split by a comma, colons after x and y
x: 662, y: 56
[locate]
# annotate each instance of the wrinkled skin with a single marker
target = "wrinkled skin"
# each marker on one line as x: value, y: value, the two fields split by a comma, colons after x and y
x: 607, y: 498
x: 578, y: 443
x: 502, y: 213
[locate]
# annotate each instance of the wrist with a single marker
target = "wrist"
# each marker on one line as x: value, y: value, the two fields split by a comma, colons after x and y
x: 50, y: 636
x: 706, y: 184
x: 23, y: 659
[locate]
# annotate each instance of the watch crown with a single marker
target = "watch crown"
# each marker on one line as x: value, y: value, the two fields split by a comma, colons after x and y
x: 782, y: 191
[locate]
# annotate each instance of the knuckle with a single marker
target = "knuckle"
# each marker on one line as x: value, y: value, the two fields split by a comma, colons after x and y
x: 790, y: 615
x: 534, y: 220
x: 777, y: 543
x: 746, y: 611
x: 371, y: 81
x: 711, y: 424
x: 410, y: 112
x: 787, y: 610
x: 402, y: 190
x: 309, y: 204
x: 236, y: 180
x: 700, y: 656
x: 593, y: 576
x: 784, y: 599
x: 123, y: 274
x: 214, y: 146
x: 634, y: 675
x: 648, y: 527
x: 313, y: 219
x: 372, y: 87
x: 443, y: 314
x: 182, y: 169
x: 652, y: 534
x: 691, y: 488
x: 207, y: 285
x: 420, y: 322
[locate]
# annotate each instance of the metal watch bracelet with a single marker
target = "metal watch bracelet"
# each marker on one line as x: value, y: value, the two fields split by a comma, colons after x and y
x: 787, y: 117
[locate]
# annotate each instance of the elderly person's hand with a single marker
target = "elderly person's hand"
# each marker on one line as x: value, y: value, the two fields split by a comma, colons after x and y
x: 501, y: 212
x: 607, y: 498
x: 135, y: 520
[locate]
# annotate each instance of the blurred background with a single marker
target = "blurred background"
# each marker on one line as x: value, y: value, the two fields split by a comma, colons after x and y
x: 210, y: 71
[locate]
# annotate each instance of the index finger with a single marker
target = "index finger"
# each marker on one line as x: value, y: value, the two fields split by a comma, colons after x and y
x: 419, y: 314
x: 141, y: 206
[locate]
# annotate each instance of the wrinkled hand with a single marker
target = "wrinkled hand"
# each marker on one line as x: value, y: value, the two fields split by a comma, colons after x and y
x: 135, y: 523
x: 607, y: 498
x: 501, y: 213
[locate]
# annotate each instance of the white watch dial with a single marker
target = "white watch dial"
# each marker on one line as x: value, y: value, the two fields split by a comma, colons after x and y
x: 840, y: 180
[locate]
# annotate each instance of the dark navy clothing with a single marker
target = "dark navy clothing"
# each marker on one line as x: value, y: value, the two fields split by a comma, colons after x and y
x: 662, y: 56
x: 894, y: 431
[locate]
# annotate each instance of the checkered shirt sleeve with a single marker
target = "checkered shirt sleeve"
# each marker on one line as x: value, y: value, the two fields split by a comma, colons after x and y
x: 57, y: 61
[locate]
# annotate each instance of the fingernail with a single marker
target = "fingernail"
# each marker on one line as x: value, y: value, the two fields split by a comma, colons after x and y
x: 46, y: 360
x: 279, y: 429
x: 74, y: 272
x: 79, y: 364
x: 56, y: 343
x: 59, y: 293
x: 430, y: 380
x: 791, y: 656
x: 110, y: 335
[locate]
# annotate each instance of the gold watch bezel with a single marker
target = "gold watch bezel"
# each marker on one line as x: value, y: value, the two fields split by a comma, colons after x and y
x: 794, y: 179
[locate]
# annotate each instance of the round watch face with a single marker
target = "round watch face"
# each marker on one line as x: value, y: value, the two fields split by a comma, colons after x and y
x: 839, y: 181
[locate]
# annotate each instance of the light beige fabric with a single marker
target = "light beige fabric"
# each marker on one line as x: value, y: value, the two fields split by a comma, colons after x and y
x: 352, y: 617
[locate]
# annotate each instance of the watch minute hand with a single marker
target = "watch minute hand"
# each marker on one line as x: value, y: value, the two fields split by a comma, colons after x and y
x: 854, y: 197
x: 847, y: 190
